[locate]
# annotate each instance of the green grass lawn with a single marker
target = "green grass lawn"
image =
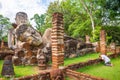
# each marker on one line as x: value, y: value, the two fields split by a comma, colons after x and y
x: 21, y: 70
x: 110, y: 73
x: 86, y: 57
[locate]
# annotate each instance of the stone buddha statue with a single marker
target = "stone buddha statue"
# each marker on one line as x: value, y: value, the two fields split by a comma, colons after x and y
x: 23, y: 33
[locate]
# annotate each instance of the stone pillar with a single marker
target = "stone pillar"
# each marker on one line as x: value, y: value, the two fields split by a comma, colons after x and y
x: 87, y: 39
x: 57, y: 40
x: 98, y: 47
x: 8, y: 69
x: 102, y: 42
x: 113, y: 48
x: 2, y: 44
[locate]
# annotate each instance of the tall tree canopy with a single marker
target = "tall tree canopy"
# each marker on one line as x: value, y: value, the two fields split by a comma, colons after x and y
x: 4, y: 26
x: 87, y: 17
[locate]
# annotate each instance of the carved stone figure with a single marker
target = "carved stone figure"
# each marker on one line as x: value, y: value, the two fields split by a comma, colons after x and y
x: 23, y: 33
x: 42, y: 61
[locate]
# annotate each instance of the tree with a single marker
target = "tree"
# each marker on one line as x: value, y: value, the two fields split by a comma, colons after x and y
x: 5, y: 25
x: 40, y: 21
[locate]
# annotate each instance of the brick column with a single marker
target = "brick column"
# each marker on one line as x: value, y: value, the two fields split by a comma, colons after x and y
x: 102, y: 42
x: 57, y: 40
x: 113, y: 48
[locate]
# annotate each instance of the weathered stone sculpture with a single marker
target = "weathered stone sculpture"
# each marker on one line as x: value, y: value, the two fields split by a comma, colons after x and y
x: 42, y: 60
x: 23, y: 37
x: 11, y: 37
x: 23, y: 33
x: 8, y: 69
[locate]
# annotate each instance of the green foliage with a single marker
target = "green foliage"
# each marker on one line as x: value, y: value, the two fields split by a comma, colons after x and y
x: 96, y: 34
x: 77, y: 21
x: 4, y: 26
x: 40, y: 22
x: 113, y: 34
x: 99, y: 70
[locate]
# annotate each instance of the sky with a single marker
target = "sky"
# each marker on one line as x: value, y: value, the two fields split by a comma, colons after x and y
x: 9, y: 8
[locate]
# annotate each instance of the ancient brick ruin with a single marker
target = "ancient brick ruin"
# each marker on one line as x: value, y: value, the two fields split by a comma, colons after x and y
x: 102, y: 42
x: 57, y: 40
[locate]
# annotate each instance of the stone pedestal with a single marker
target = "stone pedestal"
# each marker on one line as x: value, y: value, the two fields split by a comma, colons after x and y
x: 42, y: 64
x: 57, y: 41
x: 42, y: 60
x: 102, y: 42
x: 8, y: 69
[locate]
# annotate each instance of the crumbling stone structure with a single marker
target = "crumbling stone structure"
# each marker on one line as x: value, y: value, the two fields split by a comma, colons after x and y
x: 24, y: 37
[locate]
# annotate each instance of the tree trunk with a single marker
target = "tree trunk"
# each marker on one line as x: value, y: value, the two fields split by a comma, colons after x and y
x: 90, y: 14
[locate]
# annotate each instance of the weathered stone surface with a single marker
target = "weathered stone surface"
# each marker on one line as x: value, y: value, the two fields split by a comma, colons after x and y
x: 46, y: 38
x: 16, y: 61
x: 8, y: 69
x: 33, y: 60
x: 26, y: 33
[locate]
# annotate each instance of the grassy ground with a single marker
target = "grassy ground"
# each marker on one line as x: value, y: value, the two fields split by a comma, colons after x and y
x: 86, y: 57
x: 21, y: 70
x: 110, y: 73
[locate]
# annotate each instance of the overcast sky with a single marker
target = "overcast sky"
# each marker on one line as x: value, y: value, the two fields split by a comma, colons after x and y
x: 9, y: 8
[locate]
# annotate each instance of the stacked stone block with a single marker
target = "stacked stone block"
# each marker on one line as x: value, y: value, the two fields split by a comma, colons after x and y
x: 102, y: 42
x: 57, y: 40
